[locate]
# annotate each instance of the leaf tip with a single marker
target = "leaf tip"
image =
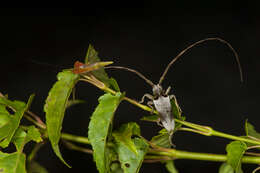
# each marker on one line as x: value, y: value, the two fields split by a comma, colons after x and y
x: 58, y: 154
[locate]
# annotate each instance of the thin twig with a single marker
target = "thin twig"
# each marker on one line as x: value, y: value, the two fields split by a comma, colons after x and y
x: 254, y: 138
x: 252, y: 154
x: 252, y: 147
x: 34, y: 151
x: 37, y: 118
x: 77, y: 148
x: 158, y: 159
x: 256, y: 169
x: 34, y: 121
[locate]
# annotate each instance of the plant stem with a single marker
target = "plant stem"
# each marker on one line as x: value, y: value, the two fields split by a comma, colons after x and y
x: 224, y: 135
x: 37, y: 118
x: 34, y: 151
x: 65, y: 136
x: 168, y: 153
x: 77, y: 148
x: 178, y: 154
x: 74, y: 138
x: 42, y: 126
x: 208, y: 131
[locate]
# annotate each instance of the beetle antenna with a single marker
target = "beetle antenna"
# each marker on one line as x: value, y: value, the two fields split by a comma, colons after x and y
x: 134, y: 71
x: 196, y: 43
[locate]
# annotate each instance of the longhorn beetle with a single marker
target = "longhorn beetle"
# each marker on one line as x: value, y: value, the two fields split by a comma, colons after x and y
x: 160, y: 99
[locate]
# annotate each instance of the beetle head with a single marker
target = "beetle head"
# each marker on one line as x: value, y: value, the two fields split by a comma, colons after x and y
x: 157, y: 90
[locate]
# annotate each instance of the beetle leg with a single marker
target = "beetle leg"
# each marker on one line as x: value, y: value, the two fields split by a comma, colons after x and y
x: 168, y: 90
x: 175, y: 100
x: 170, y: 139
x: 150, y: 104
x: 149, y: 96
x: 159, y: 123
x: 172, y: 97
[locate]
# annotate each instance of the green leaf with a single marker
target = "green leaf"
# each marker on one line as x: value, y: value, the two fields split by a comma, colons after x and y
x: 19, y: 139
x: 2, y: 155
x: 9, y: 123
x: 12, y: 163
x: 176, y: 114
x: 170, y: 166
x: 35, y: 167
x: 4, y: 118
x: 250, y: 130
x: 162, y: 139
x: 2, y: 109
x: 114, y: 84
x: 92, y: 57
x: 55, y: 107
x: 176, y: 109
x: 235, y: 151
x: 22, y: 137
x: 112, y: 158
x: 130, y: 160
x: 116, y: 168
x: 125, y: 133
x: 99, y: 128
x: 225, y: 168
x: 33, y: 134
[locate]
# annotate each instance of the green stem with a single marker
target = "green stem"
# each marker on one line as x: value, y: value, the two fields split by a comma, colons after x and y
x: 178, y: 154
x: 65, y: 136
x: 172, y: 153
x: 146, y: 108
x: 224, y: 135
x: 37, y: 118
x: 74, y: 138
x: 34, y: 121
x: 77, y: 148
x: 156, y: 154
x: 34, y: 151
x: 208, y: 131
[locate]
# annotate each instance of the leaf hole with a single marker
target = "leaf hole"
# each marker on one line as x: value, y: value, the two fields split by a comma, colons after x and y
x: 127, y: 165
x: 10, y: 111
x: 134, y: 136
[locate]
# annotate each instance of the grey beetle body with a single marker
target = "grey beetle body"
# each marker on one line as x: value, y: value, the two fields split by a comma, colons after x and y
x: 163, y: 105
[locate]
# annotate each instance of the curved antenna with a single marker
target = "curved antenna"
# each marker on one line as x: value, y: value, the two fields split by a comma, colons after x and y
x: 196, y: 43
x: 134, y: 71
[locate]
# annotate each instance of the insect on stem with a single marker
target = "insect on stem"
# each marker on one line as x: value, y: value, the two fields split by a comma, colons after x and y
x: 160, y: 98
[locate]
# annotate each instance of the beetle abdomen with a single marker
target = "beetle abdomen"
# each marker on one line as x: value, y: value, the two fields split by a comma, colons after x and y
x: 164, y: 108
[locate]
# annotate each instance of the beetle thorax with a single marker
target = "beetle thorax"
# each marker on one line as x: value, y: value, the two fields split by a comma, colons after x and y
x: 157, y: 90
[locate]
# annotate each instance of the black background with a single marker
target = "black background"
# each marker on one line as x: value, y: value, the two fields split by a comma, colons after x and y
x: 205, y: 80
